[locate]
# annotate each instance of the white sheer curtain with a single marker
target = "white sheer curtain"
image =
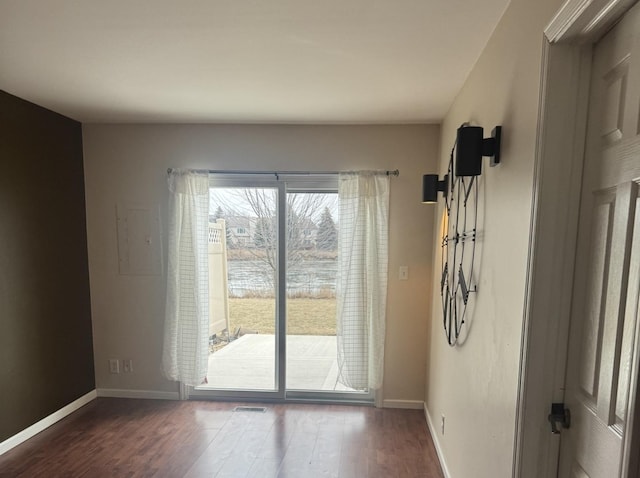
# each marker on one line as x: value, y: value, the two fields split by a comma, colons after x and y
x: 186, y: 341
x: 362, y: 277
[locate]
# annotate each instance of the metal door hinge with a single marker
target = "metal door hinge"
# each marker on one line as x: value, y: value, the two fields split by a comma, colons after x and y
x: 559, y: 415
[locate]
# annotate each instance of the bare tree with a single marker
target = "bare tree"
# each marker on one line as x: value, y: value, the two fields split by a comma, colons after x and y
x: 256, y: 208
x: 301, y: 208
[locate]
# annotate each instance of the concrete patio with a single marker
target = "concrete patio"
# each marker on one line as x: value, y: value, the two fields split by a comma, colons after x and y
x: 249, y: 363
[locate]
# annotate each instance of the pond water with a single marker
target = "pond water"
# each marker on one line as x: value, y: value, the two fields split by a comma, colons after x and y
x: 309, y: 277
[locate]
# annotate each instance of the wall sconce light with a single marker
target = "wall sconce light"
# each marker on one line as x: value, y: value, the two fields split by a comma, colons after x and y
x: 431, y: 185
x: 471, y: 147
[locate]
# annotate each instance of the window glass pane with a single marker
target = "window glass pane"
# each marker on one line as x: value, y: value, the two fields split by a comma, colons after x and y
x: 242, y: 284
x: 312, y: 252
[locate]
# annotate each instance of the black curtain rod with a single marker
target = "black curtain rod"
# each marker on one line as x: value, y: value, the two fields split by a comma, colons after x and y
x: 395, y: 172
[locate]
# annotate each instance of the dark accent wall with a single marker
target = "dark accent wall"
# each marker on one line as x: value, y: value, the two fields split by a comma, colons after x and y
x: 46, y: 347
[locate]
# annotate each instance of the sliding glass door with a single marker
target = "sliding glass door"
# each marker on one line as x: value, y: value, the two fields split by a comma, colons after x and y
x: 272, y: 273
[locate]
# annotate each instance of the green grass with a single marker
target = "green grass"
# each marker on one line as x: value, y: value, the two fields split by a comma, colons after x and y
x: 304, y: 316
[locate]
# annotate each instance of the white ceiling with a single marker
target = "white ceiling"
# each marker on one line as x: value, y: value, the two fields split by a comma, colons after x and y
x: 282, y: 61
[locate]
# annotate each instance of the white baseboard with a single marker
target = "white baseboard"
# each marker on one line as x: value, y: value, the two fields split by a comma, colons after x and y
x: 436, y: 442
x: 46, y: 422
x: 408, y: 404
x: 148, y: 394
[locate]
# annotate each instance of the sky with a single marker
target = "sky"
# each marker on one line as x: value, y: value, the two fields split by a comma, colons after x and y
x: 235, y: 202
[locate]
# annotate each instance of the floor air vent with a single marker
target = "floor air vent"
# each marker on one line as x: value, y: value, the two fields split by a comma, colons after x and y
x: 250, y: 409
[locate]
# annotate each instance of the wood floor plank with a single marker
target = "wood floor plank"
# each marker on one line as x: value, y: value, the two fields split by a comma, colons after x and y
x: 151, y: 438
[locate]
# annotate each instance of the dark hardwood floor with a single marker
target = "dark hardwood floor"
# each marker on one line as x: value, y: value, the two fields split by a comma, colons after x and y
x: 120, y: 437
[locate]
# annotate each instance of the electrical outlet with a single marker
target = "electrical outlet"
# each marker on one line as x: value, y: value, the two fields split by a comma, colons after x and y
x: 114, y: 366
x: 127, y: 365
x: 442, y: 424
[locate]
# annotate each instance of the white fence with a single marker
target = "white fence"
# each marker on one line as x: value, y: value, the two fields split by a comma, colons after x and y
x: 218, y: 295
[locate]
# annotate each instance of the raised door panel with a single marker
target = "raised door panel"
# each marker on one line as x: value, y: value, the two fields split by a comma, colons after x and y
x: 594, y: 297
x: 629, y: 324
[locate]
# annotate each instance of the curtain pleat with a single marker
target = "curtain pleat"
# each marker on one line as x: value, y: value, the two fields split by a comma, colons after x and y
x: 362, y: 278
x: 186, y: 341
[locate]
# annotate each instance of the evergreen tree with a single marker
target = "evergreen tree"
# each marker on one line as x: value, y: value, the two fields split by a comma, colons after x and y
x: 264, y: 235
x: 327, y: 239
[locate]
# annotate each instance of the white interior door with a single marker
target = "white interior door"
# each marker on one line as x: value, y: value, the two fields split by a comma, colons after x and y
x: 603, y: 338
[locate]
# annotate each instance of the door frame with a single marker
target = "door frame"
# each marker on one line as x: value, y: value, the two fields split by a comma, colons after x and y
x: 561, y: 132
x: 284, y: 183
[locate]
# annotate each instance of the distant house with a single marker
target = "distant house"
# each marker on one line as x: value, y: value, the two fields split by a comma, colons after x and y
x: 308, y: 234
x: 245, y: 232
x: 240, y: 231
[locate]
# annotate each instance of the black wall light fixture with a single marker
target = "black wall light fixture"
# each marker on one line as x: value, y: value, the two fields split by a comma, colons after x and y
x: 471, y: 147
x: 431, y: 185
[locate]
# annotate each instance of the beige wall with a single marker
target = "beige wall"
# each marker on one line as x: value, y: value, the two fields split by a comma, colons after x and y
x: 475, y: 385
x: 127, y: 164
